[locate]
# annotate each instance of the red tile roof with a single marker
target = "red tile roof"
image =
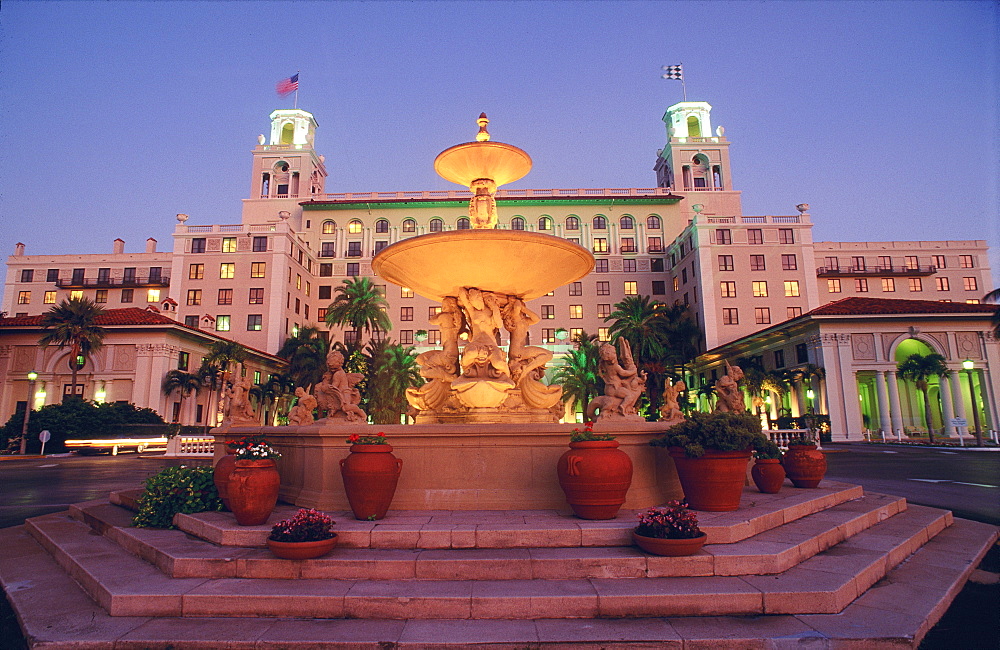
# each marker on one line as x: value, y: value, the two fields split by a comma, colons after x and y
x: 127, y: 316
x: 858, y: 306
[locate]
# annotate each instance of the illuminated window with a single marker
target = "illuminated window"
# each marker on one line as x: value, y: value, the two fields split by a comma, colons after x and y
x: 355, y: 227
x: 433, y: 311
x: 939, y: 262
x: 631, y: 288
x: 321, y: 314
x: 227, y: 270
x: 77, y: 294
x: 225, y: 296
x: 793, y: 312
x: 576, y: 311
x: 298, y: 281
x: 198, y: 245
x: 222, y: 323
x: 576, y: 289
x: 545, y: 223
x: 409, y: 225
x: 548, y: 312
x: 572, y: 223
x: 328, y: 227
x: 600, y: 223
x: 727, y: 289
x: 730, y: 316
x: 759, y: 289
x: 257, y: 296
x: 725, y: 262
x: 888, y: 284
x: 965, y: 262
x: 786, y: 236
x: 723, y: 236
x: 517, y: 223
x: 405, y: 292
x: 604, y: 288
x: 49, y: 298
x: 194, y: 296
x: 677, y: 284
x: 653, y: 222
x: 436, y: 225
x: 603, y: 334
x: 183, y: 360
x: 762, y: 315
x: 600, y: 266
x: 970, y: 284
x: 228, y: 244
x: 789, y: 263
x: 626, y: 223
x: 406, y: 313
x: 153, y: 295
x: 972, y: 301
x: 575, y: 333
x: 24, y: 297
x: 127, y: 295
x: 255, y: 322
x: 309, y: 289
x: 833, y: 286
x: 757, y: 263
x: 755, y: 236
x: 600, y: 245
x: 916, y: 284
x: 196, y: 272
x: 603, y: 311
x: 861, y: 285
x: 791, y: 288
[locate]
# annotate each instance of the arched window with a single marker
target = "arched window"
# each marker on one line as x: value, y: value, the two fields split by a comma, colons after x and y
x: 354, y: 227
x: 409, y: 225
x: 329, y: 227
x: 436, y: 225
x: 517, y: 223
x: 382, y: 225
x: 694, y: 127
x: 600, y: 223
x: 653, y: 222
x: 545, y: 223
x: 287, y: 133
x: 462, y: 223
x: 572, y: 223
x: 626, y: 223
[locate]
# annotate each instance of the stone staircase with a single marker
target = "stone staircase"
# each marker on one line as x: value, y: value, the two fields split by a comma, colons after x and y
x: 828, y: 567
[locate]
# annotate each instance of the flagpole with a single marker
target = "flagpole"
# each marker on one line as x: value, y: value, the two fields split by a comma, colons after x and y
x: 683, y: 83
x: 296, y: 92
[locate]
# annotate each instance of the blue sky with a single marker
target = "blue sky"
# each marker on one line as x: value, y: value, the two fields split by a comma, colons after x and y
x: 881, y: 115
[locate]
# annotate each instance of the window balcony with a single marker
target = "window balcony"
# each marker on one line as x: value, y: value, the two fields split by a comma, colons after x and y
x: 108, y: 283
x: 918, y: 271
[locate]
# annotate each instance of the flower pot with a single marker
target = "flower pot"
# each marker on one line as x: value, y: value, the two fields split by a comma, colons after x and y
x: 220, y: 475
x: 370, y: 476
x: 253, y: 490
x: 713, y: 482
x: 301, y: 550
x: 595, y: 476
x: 768, y: 475
x: 669, y: 547
x: 805, y: 465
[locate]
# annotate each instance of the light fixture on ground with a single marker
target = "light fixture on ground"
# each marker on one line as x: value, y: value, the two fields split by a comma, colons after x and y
x: 32, y: 376
x: 969, y: 365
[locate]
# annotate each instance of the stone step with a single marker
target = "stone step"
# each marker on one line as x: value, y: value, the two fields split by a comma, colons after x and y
x: 825, y: 583
x: 526, y: 528
x: 769, y: 552
x: 896, y: 613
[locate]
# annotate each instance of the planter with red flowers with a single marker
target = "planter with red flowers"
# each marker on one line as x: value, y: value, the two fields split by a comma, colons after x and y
x: 253, y: 484
x: 671, y: 531
x: 226, y: 464
x: 594, y: 474
x: 307, y: 535
x: 370, y: 475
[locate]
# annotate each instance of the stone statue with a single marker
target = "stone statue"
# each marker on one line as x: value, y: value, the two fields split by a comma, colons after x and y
x: 728, y: 390
x: 302, y: 412
x: 439, y: 367
x: 527, y: 362
x: 623, y: 384
x: 670, y: 411
x: 483, y: 205
x: 336, y: 393
x: 482, y: 308
x: 485, y: 376
x: 238, y: 408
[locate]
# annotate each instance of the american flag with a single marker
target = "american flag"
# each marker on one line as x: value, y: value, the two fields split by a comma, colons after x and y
x: 673, y: 72
x: 288, y: 86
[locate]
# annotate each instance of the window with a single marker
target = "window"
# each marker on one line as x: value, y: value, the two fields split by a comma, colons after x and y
x: 603, y: 310
x: 684, y: 276
x: 548, y: 311
x: 755, y: 236
x: 600, y: 245
x: 77, y: 294
x: 760, y: 289
x: 549, y: 335
x: 677, y: 284
x: 916, y: 284
x: 257, y: 296
x: 222, y: 323
x: 888, y: 284
x: 972, y: 301
x: 406, y: 313
x: 78, y: 276
x: 155, y: 273
x: 328, y: 227
x: 628, y: 266
x: 631, y: 288
x: 603, y: 334
x: 656, y: 265
x: 600, y: 223
x: 832, y: 263
x: 885, y: 262
x: 433, y: 311
x: 259, y: 245
x: 730, y: 316
x: 409, y: 225
x: 600, y: 266
x: 227, y: 270
x: 27, y: 275
x: 24, y: 297
x: 942, y: 284
x: 49, y: 298
x: 576, y: 311
x: 576, y: 288
x: 198, y: 245
x: 544, y: 223
x: 325, y: 292
x: 194, y: 296
x: 52, y: 275
x: 379, y: 245
x: 354, y: 249
x: 196, y: 271
x: 228, y: 244
x: 793, y: 312
x: 727, y: 289
x: 653, y: 222
x: 225, y: 296
x: 970, y: 284
x: 517, y: 223
x: 127, y: 295
x: 723, y: 236
x: 833, y: 285
x: 791, y: 288
x: 861, y: 285
x: 321, y: 314
x: 757, y: 263
x: 572, y: 223
x: 405, y: 292
x: 654, y: 244
x: 258, y: 269
x: 659, y: 288
x: 779, y: 358
x: 786, y: 236
x: 309, y: 289
x: 191, y: 321
x: 912, y: 263
x: 462, y: 223
x: 628, y: 245
x: 604, y: 288
x: 355, y: 227
x: 965, y: 262
x: 789, y: 263
x: 325, y: 270
x: 762, y: 315
x: 328, y: 249
x: 437, y: 225
x: 939, y: 262
x: 353, y: 269
x: 575, y: 333
x: 725, y: 262
x: 255, y: 322
x: 183, y: 360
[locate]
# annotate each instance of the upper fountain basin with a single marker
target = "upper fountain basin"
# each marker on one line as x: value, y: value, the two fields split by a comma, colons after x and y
x: 471, y: 161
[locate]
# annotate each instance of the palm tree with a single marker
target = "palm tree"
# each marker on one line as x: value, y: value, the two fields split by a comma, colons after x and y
x: 306, y: 355
x: 220, y: 355
x: 577, y: 372
x: 185, y: 382
x: 361, y: 305
x: 642, y: 322
x: 918, y: 368
x: 73, y: 323
x: 994, y: 297
x: 392, y: 369
x: 210, y: 376
x: 272, y: 391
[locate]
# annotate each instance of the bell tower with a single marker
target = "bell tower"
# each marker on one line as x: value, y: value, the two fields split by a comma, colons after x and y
x: 695, y: 159
x: 287, y: 166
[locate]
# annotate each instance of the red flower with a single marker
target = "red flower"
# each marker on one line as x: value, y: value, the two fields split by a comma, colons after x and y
x: 354, y: 437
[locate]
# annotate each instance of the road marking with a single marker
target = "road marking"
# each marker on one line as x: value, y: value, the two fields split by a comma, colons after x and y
x: 976, y: 484
x: 930, y: 480
x: 948, y: 452
x: 886, y: 451
x: 50, y: 465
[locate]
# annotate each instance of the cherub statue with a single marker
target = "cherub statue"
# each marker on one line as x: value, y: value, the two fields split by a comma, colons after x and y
x: 527, y: 362
x: 238, y: 408
x: 670, y: 411
x: 439, y: 367
x: 623, y: 384
x: 302, y: 413
x: 336, y: 393
x: 728, y: 389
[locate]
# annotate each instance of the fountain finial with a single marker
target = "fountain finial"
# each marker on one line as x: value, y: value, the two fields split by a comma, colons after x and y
x: 483, y: 135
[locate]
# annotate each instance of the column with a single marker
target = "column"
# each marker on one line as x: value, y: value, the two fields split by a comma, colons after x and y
x: 895, y: 413
x: 946, y: 412
x: 883, y: 403
x: 959, y: 401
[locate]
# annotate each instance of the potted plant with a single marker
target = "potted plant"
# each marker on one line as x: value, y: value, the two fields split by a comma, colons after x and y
x: 710, y: 452
x: 671, y: 530
x: 370, y: 475
x: 308, y: 534
x: 594, y: 474
x: 253, y: 484
x: 767, y: 472
x: 226, y: 464
x: 803, y: 462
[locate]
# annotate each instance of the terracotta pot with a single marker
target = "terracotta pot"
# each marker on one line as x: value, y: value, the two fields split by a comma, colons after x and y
x: 253, y: 491
x: 768, y: 475
x: 805, y: 465
x: 221, y: 473
x: 669, y: 547
x: 370, y: 476
x: 301, y: 550
x: 595, y: 475
x: 713, y: 482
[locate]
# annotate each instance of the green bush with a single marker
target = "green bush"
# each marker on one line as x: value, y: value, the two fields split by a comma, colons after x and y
x: 716, y: 431
x: 77, y: 418
x: 176, y: 489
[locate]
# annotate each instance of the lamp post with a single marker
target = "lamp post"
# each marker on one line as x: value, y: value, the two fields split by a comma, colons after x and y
x: 968, y: 365
x: 32, y: 376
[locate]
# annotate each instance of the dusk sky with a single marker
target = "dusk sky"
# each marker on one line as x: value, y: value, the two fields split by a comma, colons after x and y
x: 883, y: 116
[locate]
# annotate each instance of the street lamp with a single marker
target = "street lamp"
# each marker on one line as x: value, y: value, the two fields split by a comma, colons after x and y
x: 32, y: 376
x: 968, y: 365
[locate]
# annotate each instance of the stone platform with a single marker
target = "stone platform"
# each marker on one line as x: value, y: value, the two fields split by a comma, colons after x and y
x: 825, y: 568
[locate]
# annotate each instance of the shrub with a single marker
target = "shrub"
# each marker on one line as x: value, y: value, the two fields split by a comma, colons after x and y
x: 673, y: 521
x: 78, y: 418
x: 176, y: 489
x: 716, y: 431
x: 306, y: 526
